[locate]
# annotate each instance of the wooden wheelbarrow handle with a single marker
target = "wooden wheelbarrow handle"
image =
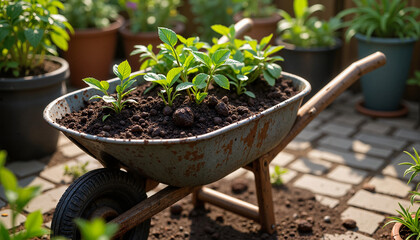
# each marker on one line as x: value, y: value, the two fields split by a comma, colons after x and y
x: 327, y: 95
x: 241, y: 27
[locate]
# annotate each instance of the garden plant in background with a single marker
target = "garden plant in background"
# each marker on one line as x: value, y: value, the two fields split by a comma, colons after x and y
x: 76, y: 171
x: 148, y: 15
x: 409, y: 219
x: 392, y: 28
x: 258, y: 8
x: 23, y: 49
x: 306, y: 30
x: 276, y: 176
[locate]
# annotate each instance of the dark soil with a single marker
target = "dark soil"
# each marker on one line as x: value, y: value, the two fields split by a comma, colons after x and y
x: 150, y: 119
x: 298, y: 216
x: 43, y: 68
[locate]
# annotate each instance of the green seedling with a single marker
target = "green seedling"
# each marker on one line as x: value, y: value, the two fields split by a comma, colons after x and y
x: 230, y: 33
x: 411, y: 222
x: 259, y: 54
x: 76, y: 171
x: 18, y: 198
x: 167, y: 83
x: 96, y: 229
x: 414, y: 170
x: 240, y: 79
x: 276, y: 176
x: 123, y: 72
x: 214, y: 64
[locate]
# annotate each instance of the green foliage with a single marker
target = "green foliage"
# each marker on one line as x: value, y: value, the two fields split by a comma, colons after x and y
x: 257, y: 8
x: 96, y: 229
x: 411, y: 222
x: 415, y: 80
x: 305, y: 30
x: 18, y: 198
x: 123, y: 72
x: 208, y: 13
x: 275, y: 177
x: 385, y: 19
x: 167, y: 83
x: 241, y: 61
x: 82, y: 14
x: 147, y: 15
x: 30, y: 29
x: 76, y: 171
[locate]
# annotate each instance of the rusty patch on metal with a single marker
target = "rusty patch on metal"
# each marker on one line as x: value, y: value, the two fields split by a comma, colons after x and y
x: 262, y: 135
x: 249, y: 139
x: 193, y: 169
x: 193, y: 156
x: 227, y: 149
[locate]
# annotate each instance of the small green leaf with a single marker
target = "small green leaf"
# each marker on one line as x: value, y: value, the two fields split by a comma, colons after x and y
x: 105, y: 117
x: 220, y: 56
x: 95, y: 97
x: 184, y: 86
x: 270, y: 80
x: 222, y: 81
x: 200, y: 81
x: 33, y: 221
x: 93, y: 82
x: 265, y: 41
x: 300, y: 7
x: 273, y: 50
x: 60, y: 41
x: 8, y: 179
x: 199, y: 97
x: 242, y: 77
x: 108, y: 99
x: 124, y: 69
x: 220, y: 29
x: 173, y: 75
x: 151, y: 77
x: 203, y: 58
x: 4, y: 233
x: 249, y: 94
x: 104, y: 85
x: 273, y: 69
x: 167, y: 36
x: 4, y: 32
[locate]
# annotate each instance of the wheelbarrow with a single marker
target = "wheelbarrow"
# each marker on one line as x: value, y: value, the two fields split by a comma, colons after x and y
x: 117, y: 192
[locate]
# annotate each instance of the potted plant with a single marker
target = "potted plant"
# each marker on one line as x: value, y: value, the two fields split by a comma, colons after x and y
x: 92, y: 46
x: 208, y: 13
x: 311, y: 43
x: 264, y: 16
x: 29, y: 77
x: 144, y: 16
x: 390, y: 27
x: 408, y: 225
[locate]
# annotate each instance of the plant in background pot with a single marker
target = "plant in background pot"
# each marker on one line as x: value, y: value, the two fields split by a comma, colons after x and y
x: 408, y: 226
x: 390, y: 27
x: 310, y: 42
x: 144, y: 16
x: 264, y: 16
x: 29, y: 77
x: 92, y: 46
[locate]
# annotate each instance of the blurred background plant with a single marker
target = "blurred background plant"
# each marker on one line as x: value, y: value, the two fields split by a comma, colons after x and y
x: 147, y: 15
x: 208, y: 13
x: 305, y: 30
x: 82, y: 14
x: 257, y: 8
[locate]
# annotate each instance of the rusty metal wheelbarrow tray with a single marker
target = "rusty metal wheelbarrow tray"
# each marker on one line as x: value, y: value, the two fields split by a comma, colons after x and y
x: 190, y: 161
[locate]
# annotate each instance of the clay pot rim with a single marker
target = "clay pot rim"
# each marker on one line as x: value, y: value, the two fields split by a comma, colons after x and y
x: 178, y: 28
x: 114, y: 26
x: 382, y: 114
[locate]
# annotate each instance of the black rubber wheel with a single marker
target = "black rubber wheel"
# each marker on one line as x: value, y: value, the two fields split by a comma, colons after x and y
x: 101, y: 192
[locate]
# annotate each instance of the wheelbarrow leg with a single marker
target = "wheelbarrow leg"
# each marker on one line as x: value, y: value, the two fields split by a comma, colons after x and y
x: 261, y: 171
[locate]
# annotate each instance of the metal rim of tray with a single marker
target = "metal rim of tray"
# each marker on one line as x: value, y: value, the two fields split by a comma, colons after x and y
x: 297, y: 97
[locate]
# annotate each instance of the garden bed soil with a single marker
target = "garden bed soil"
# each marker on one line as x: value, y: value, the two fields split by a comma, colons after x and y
x: 46, y: 67
x: 150, y: 119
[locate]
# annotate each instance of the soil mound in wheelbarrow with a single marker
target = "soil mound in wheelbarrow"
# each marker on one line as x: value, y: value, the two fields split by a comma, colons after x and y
x: 149, y: 118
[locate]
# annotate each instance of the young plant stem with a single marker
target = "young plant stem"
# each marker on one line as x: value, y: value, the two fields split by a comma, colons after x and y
x: 183, y: 77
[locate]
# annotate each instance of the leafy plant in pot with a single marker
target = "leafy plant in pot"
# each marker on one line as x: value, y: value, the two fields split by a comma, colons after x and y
x: 29, y: 77
x: 144, y: 16
x: 92, y: 46
x: 310, y: 42
x: 408, y: 225
x: 390, y: 27
x: 264, y: 16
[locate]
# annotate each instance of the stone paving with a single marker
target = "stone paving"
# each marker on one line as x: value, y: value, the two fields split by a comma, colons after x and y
x: 334, y: 156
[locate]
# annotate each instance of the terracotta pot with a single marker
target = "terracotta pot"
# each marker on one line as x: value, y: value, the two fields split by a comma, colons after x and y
x: 145, y: 38
x: 395, y: 232
x: 91, y: 53
x: 262, y: 27
x: 24, y: 133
